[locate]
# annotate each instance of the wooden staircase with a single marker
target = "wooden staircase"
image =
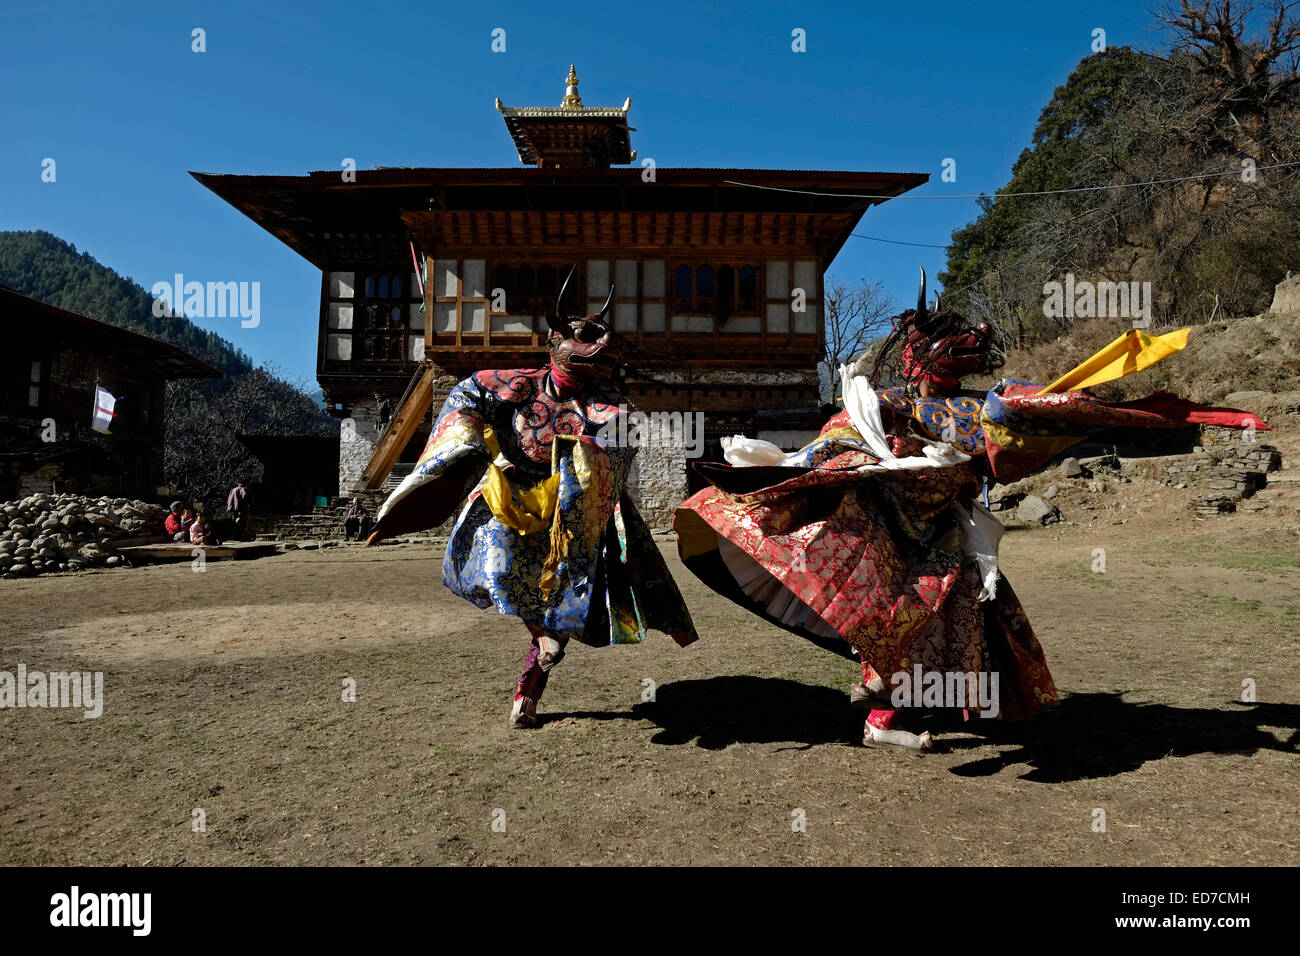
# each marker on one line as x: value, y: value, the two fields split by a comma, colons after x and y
x: 410, y: 412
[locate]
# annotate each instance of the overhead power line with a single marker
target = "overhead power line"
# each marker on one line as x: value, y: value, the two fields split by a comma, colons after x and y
x: 1040, y: 192
x: 897, y: 242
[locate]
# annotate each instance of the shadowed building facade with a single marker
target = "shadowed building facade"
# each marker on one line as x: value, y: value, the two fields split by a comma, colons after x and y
x: 51, y: 363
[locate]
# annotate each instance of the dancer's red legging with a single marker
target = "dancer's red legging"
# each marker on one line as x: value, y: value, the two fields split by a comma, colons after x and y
x: 882, y: 718
x: 532, y: 682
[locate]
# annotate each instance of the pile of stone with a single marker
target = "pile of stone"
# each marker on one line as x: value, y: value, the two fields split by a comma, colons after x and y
x: 46, y: 533
x: 1100, y: 472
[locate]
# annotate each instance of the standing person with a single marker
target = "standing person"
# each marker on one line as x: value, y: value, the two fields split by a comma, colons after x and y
x: 553, y: 538
x: 237, y: 504
x: 384, y: 411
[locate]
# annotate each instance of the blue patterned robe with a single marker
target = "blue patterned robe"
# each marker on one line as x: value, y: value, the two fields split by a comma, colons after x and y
x: 608, y: 581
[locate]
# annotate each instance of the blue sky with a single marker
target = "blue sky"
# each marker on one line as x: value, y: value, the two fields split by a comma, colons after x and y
x: 114, y: 94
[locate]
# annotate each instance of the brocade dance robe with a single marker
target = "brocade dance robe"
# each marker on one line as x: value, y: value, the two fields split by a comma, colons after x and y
x: 548, y: 534
x: 871, y: 539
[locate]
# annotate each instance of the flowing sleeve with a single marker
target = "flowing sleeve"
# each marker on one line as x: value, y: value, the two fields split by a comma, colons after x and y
x: 453, y: 461
x: 1025, y: 426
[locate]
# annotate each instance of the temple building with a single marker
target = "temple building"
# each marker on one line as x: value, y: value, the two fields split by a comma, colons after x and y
x: 717, y: 278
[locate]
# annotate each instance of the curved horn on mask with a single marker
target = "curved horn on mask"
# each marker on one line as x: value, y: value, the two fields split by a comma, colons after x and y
x: 559, y: 302
x: 556, y: 320
x: 609, y: 300
x: 920, y: 299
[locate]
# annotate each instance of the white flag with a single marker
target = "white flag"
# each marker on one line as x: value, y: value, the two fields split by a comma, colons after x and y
x: 104, y: 414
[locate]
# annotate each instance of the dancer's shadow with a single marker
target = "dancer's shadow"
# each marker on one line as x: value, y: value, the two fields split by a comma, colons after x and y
x: 1101, y: 735
x: 1088, y: 736
x: 720, y: 711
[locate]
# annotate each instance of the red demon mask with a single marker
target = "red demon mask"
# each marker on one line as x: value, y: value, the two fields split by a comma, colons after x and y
x: 940, y: 347
x: 585, y: 347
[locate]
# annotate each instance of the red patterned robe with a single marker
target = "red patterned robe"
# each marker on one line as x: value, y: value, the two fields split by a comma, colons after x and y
x: 875, y: 560
x: 879, y: 562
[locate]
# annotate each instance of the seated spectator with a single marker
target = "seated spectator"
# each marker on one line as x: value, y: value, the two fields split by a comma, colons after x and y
x: 201, y: 531
x: 178, y: 522
x: 357, y: 521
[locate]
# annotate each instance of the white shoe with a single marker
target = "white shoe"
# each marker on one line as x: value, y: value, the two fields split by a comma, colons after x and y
x: 523, y: 716
x: 904, y: 740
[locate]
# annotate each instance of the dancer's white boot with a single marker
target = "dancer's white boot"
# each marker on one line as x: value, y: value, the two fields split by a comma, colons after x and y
x: 902, y: 739
x: 523, y: 715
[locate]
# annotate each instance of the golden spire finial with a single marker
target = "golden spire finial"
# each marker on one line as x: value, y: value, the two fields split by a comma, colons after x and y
x: 571, y: 97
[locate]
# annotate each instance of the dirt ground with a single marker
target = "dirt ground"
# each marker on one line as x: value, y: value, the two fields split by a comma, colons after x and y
x: 224, y: 694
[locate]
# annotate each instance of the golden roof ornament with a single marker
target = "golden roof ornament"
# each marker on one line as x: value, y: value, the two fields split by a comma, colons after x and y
x: 571, y: 97
x: 570, y: 135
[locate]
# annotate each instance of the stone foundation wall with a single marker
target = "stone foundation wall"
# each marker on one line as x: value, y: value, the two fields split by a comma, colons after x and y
x: 38, y: 481
x: 657, y: 482
x: 728, y: 400
x: 356, y: 444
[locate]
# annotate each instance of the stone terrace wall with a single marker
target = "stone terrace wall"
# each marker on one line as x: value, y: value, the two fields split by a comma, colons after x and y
x: 1227, y: 468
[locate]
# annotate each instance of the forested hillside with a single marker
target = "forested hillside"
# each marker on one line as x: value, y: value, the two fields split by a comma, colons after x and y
x: 45, y: 267
x: 1180, y: 168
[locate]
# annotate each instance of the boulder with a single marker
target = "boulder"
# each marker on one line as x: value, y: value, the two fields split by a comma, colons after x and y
x: 1070, y: 468
x: 1033, y: 508
x: 1286, y: 296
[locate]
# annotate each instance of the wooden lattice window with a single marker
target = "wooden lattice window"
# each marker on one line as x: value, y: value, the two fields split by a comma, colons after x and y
x: 530, y: 289
x: 371, y: 321
x: 719, y: 290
